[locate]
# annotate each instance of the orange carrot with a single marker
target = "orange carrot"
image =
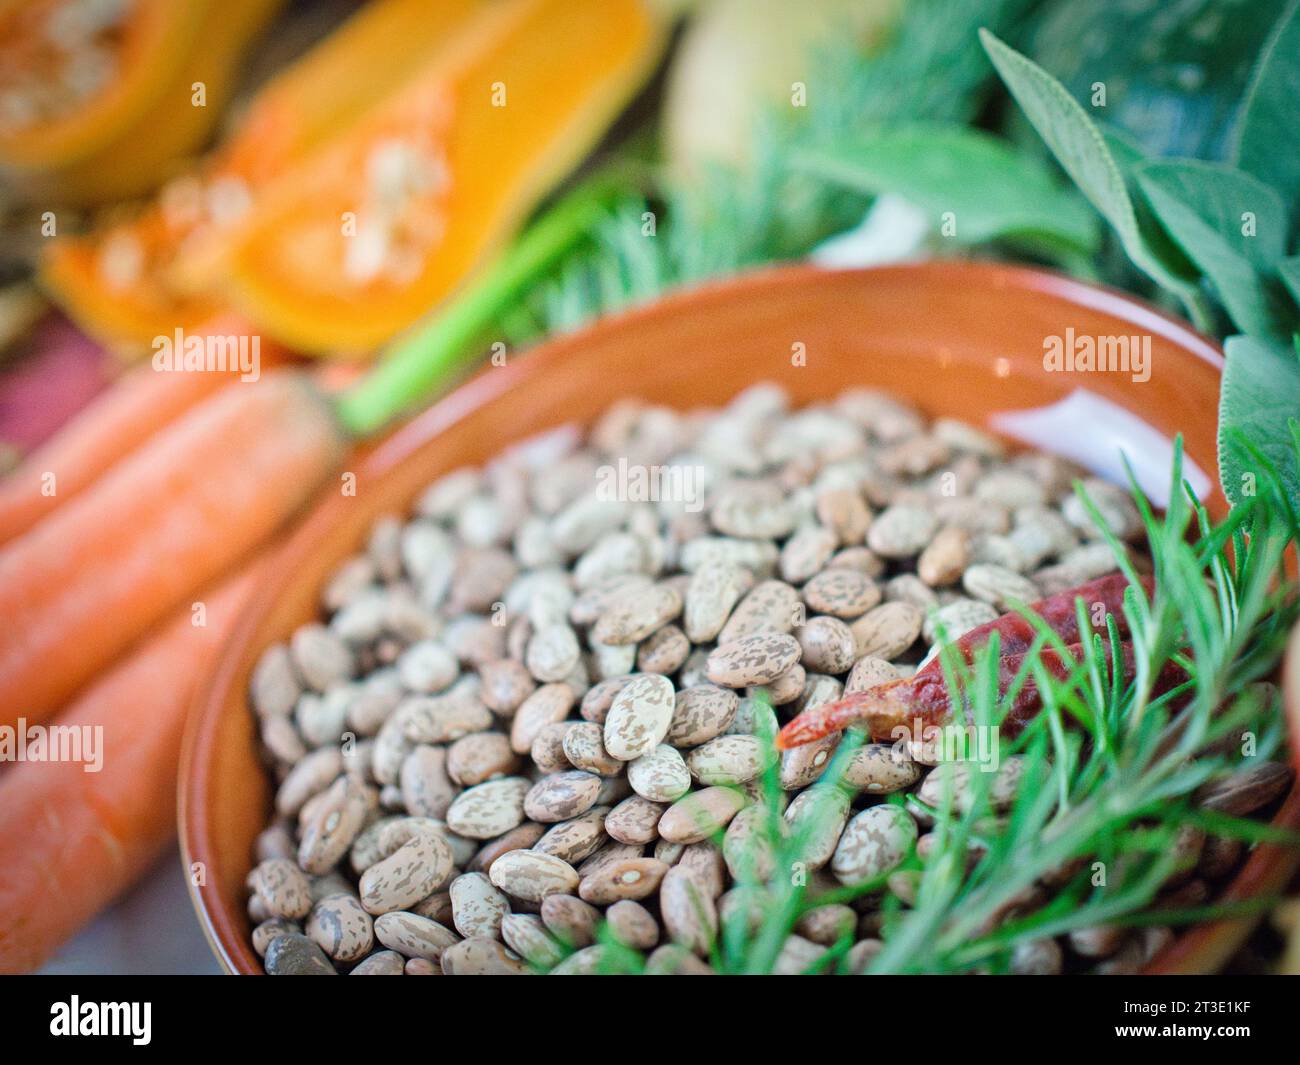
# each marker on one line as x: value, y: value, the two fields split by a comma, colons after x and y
x: 71, y: 841
x: 81, y: 586
x: 115, y: 424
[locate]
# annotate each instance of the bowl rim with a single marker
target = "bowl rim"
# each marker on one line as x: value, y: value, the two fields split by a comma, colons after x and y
x: 1269, y: 866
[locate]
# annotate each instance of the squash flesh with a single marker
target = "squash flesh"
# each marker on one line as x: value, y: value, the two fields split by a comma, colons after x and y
x: 173, y: 246
x: 339, y: 79
x: 567, y: 68
x: 147, y: 44
x: 125, y: 140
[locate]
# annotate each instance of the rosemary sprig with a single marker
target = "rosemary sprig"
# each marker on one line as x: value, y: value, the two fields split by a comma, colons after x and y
x: 1111, y: 791
x: 1100, y: 804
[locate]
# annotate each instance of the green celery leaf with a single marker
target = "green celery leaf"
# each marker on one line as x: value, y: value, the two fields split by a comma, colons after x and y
x: 1205, y: 208
x: 1261, y: 401
x: 1267, y: 136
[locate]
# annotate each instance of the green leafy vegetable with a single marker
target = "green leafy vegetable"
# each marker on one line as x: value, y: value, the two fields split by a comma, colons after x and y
x: 1168, y: 73
x: 1258, y: 411
x: 1267, y: 140
x: 992, y: 190
x: 1230, y: 225
x: 1289, y: 271
x: 1222, y: 198
x: 1082, y: 151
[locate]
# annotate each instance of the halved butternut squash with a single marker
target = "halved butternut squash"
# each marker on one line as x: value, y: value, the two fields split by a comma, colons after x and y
x: 339, y: 79
x: 97, y: 97
x: 53, y: 114
x: 374, y: 231
x: 113, y: 284
x: 141, y: 277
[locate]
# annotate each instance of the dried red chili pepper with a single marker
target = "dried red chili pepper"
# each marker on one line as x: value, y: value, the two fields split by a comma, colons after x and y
x: 919, y: 702
x: 1016, y: 635
x: 924, y: 697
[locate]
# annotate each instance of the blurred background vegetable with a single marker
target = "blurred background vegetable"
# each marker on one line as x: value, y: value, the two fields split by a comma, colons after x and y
x: 71, y: 841
x: 738, y: 59
x: 167, y: 519
x: 148, y: 272
x: 108, y: 429
x: 448, y: 168
x: 100, y: 99
x: 1173, y: 73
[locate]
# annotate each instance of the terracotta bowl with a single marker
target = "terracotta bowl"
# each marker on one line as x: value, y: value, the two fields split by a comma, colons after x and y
x: 961, y: 339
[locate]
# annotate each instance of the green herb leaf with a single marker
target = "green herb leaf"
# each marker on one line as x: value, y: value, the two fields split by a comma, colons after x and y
x: 1126, y: 151
x: 1289, y: 271
x: 992, y: 189
x: 1258, y: 404
x: 1082, y: 151
x: 1268, y: 130
x: 1221, y: 197
x: 1232, y: 226
x: 1174, y: 73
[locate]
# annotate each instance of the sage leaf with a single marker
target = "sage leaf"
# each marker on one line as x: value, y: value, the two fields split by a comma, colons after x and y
x: 1267, y: 135
x: 1289, y: 270
x: 1083, y: 153
x: 991, y: 189
x: 1232, y: 226
x: 1124, y: 149
x: 1260, y: 400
